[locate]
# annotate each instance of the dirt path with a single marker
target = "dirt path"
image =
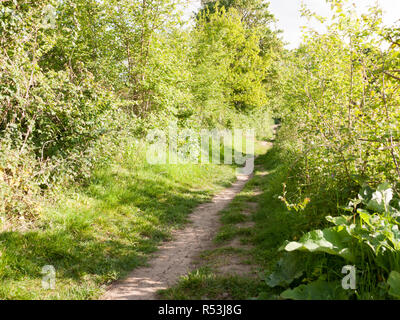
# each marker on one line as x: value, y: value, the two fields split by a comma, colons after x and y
x: 232, y: 257
x: 176, y: 258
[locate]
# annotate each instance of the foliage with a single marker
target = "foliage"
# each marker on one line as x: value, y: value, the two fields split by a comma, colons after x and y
x: 341, y: 104
x: 394, y: 283
x: 228, y: 70
x: 99, y: 232
x: 78, y: 76
x: 19, y: 194
x: 318, y: 290
x: 369, y: 239
x: 340, y: 134
x: 81, y: 84
x: 287, y: 269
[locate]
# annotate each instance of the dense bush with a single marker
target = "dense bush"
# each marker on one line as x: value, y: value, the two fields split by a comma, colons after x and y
x: 340, y: 134
x: 79, y: 77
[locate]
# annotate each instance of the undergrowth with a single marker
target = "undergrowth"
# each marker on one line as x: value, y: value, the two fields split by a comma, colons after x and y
x: 98, y: 232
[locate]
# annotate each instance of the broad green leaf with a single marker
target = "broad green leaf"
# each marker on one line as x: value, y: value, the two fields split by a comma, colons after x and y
x: 288, y: 268
x: 340, y: 221
x: 365, y: 194
x: 394, y: 283
x: 381, y: 198
x: 366, y: 217
x: 317, y: 290
x: 334, y: 241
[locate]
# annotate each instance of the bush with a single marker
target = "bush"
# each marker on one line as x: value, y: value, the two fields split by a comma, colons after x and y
x: 19, y: 189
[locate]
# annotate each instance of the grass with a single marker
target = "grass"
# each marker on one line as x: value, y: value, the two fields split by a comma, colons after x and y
x: 273, y: 225
x: 204, y: 284
x: 99, y: 232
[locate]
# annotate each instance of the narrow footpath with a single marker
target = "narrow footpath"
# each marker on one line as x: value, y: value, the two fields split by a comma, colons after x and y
x: 177, y: 257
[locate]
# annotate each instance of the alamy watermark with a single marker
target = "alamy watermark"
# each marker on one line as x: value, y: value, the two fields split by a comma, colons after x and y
x: 349, y: 281
x: 49, y: 277
x: 202, y: 147
x: 50, y: 16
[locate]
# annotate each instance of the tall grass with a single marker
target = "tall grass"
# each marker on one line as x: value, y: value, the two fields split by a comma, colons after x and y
x: 96, y: 233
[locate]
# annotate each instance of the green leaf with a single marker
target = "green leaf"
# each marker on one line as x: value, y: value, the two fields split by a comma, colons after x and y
x: 317, y: 290
x: 365, y: 194
x: 394, y: 283
x: 334, y: 241
x: 340, y: 221
x: 381, y: 198
x: 288, y: 268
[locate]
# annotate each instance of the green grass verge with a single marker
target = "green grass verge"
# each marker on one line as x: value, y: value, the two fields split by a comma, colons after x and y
x: 204, y: 284
x: 100, y: 232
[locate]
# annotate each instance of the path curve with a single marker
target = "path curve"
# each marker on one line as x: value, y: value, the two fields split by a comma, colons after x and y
x: 175, y: 258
